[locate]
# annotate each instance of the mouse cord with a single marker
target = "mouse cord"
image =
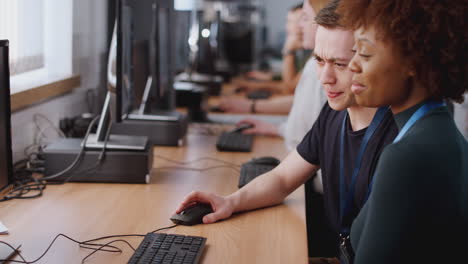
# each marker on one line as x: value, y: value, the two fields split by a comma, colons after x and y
x: 196, y: 169
x: 196, y: 160
x: 85, y: 244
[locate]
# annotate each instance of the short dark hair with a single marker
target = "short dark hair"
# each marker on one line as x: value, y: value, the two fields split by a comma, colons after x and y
x: 327, y: 16
x: 296, y: 7
x: 430, y: 34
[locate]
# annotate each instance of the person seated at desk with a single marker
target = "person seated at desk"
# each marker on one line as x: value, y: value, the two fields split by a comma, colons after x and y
x: 342, y: 130
x: 294, y: 59
x: 290, y: 76
x: 308, y: 97
x: 411, y: 56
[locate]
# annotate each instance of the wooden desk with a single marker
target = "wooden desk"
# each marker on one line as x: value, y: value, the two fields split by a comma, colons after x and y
x: 85, y: 211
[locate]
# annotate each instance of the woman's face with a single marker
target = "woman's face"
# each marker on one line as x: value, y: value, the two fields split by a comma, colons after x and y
x: 381, y: 76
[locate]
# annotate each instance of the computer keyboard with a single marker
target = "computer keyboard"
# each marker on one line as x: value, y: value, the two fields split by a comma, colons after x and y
x: 234, y: 141
x: 168, y: 248
x: 259, y: 94
x: 250, y: 171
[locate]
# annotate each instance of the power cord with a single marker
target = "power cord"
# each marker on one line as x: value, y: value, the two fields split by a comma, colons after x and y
x: 25, y: 182
x: 84, y: 244
x: 196, y: 169
x: 196, y: 160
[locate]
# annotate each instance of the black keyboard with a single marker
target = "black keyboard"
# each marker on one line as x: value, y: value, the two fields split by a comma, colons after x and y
x: 234, y: 141
x: 259, y: 94
x: 250, y: 171
x: 159, y: 248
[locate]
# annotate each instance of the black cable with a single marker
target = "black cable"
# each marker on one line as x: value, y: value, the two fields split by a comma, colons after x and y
x: 164, y: 228
x: 14, y: 249
x: 24, y: 186
x: 196, y: 160
x: 101, y: 246
x: 83, y: 244
x: 105, y: 245
x: 79, y: 156
x: 196, y: 169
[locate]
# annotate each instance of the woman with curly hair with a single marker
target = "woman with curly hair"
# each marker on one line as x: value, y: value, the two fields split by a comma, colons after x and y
x: 410, y: 55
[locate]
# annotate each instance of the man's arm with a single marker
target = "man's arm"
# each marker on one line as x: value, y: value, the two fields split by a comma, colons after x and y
x: 272, y: 187
x: 276, y: 105
x: 266, y: 190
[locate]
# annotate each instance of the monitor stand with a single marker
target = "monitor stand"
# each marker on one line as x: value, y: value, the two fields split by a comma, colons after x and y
x: 162, y: 130
x: 166, y: 128
x: 114, y: 140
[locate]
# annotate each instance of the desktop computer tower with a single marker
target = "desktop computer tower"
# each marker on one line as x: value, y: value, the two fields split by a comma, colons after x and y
x: 118, y: 166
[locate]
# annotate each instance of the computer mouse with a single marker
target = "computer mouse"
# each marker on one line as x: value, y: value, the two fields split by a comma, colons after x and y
x: 216, y: 109
x: 192, y: 215
x: 241, y: 128
x: 266, y: 161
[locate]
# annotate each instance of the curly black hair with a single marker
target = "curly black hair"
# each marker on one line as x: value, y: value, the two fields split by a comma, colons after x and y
x: 432, y: 34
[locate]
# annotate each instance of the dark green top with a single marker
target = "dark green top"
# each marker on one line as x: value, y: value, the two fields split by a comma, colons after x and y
x: 418, y: 209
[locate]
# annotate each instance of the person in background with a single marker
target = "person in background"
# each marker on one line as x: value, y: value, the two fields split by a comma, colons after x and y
x: 294, y: 58
x: 308, y: 97
x: 411, y: 56
x: 281, y: 104
x: 336, y: 136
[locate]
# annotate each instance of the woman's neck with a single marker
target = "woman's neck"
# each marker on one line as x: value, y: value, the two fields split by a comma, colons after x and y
x: 360, y: 117
x: 416, y: 94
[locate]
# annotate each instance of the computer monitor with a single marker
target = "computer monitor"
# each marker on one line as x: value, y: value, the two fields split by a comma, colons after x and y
x: 6, y: 168
x: 144, y: 44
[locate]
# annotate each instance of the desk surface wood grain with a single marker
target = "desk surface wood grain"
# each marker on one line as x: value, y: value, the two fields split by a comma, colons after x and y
x: 89, y: 210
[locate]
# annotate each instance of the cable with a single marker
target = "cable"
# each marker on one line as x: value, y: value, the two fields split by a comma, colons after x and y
x: 41, y: 130
x: 79, y: 156
x: 196, y: 160
x: 164, y: 228
x: 84, y: 244
x: 24, y: 185
x: 14, y: 249
x: 195, y: 169
x: 107, y: 244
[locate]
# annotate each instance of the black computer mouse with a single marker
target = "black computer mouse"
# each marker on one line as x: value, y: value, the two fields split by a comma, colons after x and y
x: 266, y: 161
x: 241, y: 128
x: 216, y: 109
x: 192, y: 215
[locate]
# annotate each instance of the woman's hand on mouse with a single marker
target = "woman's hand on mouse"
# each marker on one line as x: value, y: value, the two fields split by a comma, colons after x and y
x: 222, y: 207
x: 259, y: 127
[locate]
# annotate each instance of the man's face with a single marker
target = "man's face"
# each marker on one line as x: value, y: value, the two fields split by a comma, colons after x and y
x: 308, y: 26
x: 333, y: 52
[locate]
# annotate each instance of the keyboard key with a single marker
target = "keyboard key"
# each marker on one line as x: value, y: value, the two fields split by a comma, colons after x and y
x: 169, y: 249
x: 234, y: 141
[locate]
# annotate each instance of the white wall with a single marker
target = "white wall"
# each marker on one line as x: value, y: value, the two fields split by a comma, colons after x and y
x: 89, y: 60
x: 276, y: 12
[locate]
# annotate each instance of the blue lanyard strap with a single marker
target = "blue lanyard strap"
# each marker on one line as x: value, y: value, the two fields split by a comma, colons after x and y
x: 346, y: 203
x: 422, y: 111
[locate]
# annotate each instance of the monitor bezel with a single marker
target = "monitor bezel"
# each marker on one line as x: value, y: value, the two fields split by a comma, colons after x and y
x: 5, y: 102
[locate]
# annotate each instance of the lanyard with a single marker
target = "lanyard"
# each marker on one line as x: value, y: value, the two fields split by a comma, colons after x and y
x: 346, y: 203
x: 422, y: 111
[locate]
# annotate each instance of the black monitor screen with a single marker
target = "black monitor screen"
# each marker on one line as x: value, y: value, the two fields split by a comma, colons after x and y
x: 6, y: 173
x: 145, y: 39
